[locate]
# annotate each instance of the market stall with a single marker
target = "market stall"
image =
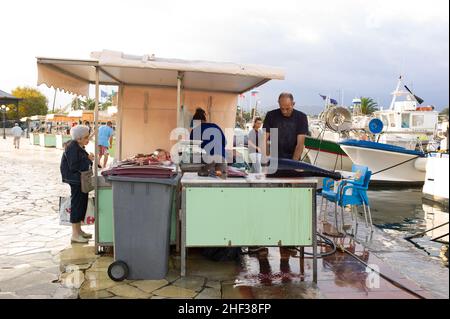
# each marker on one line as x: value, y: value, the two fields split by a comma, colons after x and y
x: 155, y: 96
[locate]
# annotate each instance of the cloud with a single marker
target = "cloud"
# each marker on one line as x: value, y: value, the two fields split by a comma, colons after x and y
x: 325, y: 46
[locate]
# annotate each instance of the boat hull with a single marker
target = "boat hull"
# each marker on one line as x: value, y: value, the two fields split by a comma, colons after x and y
x: 378, y: 160
x: 436, y: 186
x: 327, y: 155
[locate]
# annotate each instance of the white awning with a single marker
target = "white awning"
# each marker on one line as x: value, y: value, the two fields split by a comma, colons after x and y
x: 74, y: 75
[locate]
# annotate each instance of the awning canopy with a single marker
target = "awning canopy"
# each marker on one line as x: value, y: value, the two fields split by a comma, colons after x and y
x: 116, y: 68
x: 6, y: 98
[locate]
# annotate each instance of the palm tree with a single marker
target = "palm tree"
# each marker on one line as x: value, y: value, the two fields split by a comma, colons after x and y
x: 368, y: 105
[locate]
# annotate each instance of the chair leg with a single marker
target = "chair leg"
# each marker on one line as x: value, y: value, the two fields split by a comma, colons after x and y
x: 351, y: 212
x: 365, y: 214
x: 342, y: 219
x: 370, y: 218
x: 325, y: 212
x: 321, y: 209
x: 335, y: 216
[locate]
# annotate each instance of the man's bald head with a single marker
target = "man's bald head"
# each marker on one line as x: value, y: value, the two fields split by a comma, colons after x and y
x: 286, y: 102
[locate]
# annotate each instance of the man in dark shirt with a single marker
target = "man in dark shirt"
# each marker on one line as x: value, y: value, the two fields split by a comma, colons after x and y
x: 292, y: 128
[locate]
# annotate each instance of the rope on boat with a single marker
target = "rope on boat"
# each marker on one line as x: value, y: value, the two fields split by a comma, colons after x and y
x: 393, y: 166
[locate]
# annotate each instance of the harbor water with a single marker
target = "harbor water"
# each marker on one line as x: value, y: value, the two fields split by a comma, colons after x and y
x: 405, y: 212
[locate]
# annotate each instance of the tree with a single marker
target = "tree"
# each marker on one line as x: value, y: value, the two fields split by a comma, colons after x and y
x: 89, y: 104
x: 33, y: 102
x: 368, y: 105
x: 444, y: 112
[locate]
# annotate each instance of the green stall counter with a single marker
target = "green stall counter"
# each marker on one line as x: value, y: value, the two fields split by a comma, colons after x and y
x: 47, y: 140
x: 34, y: 139
x: 61, y: 139
x: 244, y: 212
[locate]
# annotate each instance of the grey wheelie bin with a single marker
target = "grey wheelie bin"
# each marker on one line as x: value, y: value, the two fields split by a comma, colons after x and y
x: 142, y: 208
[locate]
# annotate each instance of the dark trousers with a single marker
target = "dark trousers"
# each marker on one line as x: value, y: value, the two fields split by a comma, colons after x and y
x: 78, y: 203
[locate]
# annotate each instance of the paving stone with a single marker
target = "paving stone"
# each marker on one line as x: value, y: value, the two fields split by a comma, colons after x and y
x: 65, y: 293
x: 150, y: 285
x: 209, y: 293
x: 99, y: 294
x: 195, y: 283
x: 128, y: 291
x: 72, y: 280
x: 175, y: 292
x: 213, y: 284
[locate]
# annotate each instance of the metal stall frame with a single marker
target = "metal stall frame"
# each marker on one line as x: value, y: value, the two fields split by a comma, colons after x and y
x: 75, y: 75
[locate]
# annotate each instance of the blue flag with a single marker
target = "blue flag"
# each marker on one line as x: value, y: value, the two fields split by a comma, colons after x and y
x: 332, y: 101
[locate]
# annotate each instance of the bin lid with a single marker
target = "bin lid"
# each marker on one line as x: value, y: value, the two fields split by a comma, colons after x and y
x: 151, y: 180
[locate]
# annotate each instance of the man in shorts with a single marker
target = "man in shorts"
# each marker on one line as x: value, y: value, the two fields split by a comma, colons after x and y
x: 105, y: 135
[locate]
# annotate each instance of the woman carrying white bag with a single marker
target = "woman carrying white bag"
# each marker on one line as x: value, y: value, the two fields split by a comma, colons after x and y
x: 75, y: 163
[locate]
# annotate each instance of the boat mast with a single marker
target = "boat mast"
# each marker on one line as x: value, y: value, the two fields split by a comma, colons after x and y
x: 394, y: 94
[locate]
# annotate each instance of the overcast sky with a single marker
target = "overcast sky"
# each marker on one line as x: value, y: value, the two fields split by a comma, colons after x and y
x: 325, y: 46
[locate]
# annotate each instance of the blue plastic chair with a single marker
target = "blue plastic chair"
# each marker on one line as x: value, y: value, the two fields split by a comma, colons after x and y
x: 351, y: 192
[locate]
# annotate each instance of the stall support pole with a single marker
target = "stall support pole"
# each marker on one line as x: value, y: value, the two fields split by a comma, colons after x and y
x: 97, y: 88
x: 314, y: 233
x: 180, y: 118
x: 119, y: 124
x: 183, y: 232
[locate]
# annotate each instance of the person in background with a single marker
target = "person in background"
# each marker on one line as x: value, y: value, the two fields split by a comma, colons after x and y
x: 255, y: 140
x: 199, y: 113
x: 105, y: 136
x: 74, y: 160
x: 17, y: 134
x: 211, y: 135
x: 86, y: 123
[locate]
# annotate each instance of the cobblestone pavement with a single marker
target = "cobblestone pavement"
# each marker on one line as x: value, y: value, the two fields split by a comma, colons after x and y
x: 38, y: 261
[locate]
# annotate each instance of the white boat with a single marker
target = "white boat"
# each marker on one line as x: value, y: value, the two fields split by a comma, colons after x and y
x: 389, y: 164
x: 436, y: 181
x: 406, y: 122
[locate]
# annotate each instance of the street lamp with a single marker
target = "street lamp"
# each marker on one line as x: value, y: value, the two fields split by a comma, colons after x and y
x: 4, y: 109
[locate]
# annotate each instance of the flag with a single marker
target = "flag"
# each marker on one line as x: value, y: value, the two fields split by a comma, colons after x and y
x: 103, y: 94
x: 418, y: 99
x: 332, y: 101
x: 254, y: 93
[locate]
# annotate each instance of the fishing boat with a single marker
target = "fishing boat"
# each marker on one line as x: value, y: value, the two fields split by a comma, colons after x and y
x: 326, y: 154
x: 407, y: 123
x: 396, y: 155
x: 389, y: 164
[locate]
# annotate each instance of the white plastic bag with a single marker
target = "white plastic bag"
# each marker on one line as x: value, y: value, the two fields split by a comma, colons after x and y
x: 64, y: 212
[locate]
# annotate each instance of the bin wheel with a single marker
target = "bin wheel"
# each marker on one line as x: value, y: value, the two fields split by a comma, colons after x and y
x: 118, y: 270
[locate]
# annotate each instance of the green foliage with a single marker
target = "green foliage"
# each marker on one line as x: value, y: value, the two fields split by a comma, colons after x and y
x: 33, y: 103
x: 444, y: 112
x: 89, y: 104
x: 368, y: 105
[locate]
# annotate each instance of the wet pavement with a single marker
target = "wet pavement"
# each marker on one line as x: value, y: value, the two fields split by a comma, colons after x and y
x: 38, y: 261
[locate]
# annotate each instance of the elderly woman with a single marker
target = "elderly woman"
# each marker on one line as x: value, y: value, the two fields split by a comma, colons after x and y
x: 75, y: 160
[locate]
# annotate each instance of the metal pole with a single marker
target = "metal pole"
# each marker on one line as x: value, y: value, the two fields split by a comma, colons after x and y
x: 4, y: 124
x: 54, y: 100
x: 179, y: 115
x: 97, y: 74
